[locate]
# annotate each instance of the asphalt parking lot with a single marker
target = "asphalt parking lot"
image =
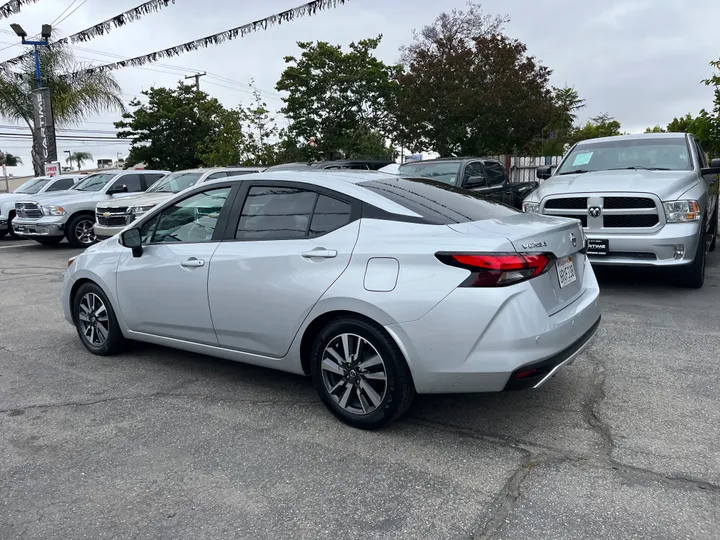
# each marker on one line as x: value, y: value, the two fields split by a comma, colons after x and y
x: 157, y: 443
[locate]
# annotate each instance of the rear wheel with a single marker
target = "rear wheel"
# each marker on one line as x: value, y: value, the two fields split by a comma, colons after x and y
x: 95, y: 321
x: 360, y: 373
x: 80, y: 232
x: 692, y: 276
x: 51, y: 241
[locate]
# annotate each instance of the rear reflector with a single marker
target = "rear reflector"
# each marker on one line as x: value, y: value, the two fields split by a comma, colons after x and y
x: 497, y: 269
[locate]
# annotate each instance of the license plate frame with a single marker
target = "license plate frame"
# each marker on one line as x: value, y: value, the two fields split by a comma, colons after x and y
x: 598, y: 247
x: 565, y: 268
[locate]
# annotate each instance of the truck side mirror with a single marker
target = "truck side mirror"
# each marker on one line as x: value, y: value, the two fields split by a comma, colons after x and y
x: 476, y: 181
x: 544, y: 172
x: 714, y: 167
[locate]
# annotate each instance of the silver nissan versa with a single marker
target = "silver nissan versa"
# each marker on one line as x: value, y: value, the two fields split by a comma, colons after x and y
x: 377, y: 286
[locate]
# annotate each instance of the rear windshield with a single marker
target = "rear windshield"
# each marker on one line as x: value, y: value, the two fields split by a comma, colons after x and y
x: 436, y: 202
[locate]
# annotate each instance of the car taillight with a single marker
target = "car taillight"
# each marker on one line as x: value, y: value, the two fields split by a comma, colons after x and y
x: 497, y: 269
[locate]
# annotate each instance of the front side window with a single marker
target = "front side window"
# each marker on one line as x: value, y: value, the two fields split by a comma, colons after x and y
x: 495, y: 173
x: 62, y: 184
x: 702, y: 157
x: 95, y: 182
x: 274, y: 213
x: 31, y: 187
x: 475, y: 171
x: 652, y: 153
x: 440, y: 171
x: 192, y: 219
x: 216, y: 175
x: 175, y: 182
x: 151, y: 178
x: 131, y: 181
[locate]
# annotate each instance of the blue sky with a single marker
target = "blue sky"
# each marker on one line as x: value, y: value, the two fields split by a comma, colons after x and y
x: 638, y: 60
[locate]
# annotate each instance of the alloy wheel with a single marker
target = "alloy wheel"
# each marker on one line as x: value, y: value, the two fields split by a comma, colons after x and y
x: 354, y: 374
x: 94, y: 320
x: 84, y: 231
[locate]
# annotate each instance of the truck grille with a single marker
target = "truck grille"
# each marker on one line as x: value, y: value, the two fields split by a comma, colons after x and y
x: 112, y: 217
x: 28, y: 210
x: 615, y: 212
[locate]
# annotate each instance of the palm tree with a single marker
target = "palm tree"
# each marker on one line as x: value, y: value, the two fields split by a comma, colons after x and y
x: 76, y: 92
x: 79, y: 158
x: 9, y: 160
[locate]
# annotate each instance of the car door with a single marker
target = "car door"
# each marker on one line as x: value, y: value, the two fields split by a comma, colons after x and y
x: 710, y: 179
x: 477, y: 179
x: 61, y: 184
x: 132, y: 182
x: 498, y: 185
x: 287, y: 244
x: 164, y: 292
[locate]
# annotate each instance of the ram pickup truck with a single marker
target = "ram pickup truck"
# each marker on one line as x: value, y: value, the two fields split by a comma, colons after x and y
x: 49, y: 217
x: 643, y: 200
x: 112, y: 216
x: 34, y: 186
x: 485, y: 176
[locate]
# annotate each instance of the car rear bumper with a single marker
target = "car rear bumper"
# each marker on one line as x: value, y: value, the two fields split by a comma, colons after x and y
x: 37, y: 227
x: 475, y: 340
x: 675, y: 244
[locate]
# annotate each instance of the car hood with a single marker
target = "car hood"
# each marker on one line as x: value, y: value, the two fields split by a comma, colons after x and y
x: 667, y: 185
x: 143, y: 199
x: 58, y: 198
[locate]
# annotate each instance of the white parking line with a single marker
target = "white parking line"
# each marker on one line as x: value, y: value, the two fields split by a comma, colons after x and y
x: 15, y: 246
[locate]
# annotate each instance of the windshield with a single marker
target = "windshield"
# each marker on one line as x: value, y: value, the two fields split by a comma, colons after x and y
x: 652, y: 153
x: 175, y: 182
x: 33, y: 186
x: 441, y: 171
x: 95, y: 182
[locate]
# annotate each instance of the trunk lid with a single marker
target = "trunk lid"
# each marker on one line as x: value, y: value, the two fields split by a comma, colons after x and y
x: 535, y: 233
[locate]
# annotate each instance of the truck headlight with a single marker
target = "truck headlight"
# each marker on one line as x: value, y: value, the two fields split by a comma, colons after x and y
x: 138, y: 210
x: 53, y: 210
x: 531, y: 207
x: 681, y: 211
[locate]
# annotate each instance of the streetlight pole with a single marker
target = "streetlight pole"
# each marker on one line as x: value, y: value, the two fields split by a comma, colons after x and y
x: 45, y: 33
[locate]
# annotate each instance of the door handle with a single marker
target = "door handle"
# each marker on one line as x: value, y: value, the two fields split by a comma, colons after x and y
x: 192, y: 262
x: 320, y: 253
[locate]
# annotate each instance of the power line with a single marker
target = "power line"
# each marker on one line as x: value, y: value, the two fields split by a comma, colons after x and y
x: 63, y: 12
x: 73, y: 11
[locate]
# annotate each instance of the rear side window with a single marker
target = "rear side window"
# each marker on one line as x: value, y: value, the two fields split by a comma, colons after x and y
x: 151, y: 178
x: 216, y: 175
x: 436, y: 202
x: 132, y: 181
x: 64, y: 183
x: 495, y: 173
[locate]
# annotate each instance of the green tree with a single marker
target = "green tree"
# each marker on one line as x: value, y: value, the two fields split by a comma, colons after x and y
x: 9, y: 160
x: 223, y: 144
x: 713, y: 119
x: 656, y: 129
x: 468, y: 89
x: 261, y: 141
x: 75, y: 92
x: 79, y: 158
x: 172, y: 129
x: 337, y: 98
x: 603, y: 125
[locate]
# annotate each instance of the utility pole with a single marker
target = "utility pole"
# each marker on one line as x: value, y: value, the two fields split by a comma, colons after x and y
x: 197, y: 79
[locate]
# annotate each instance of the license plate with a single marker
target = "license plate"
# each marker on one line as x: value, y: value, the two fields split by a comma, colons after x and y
x: 19, y: 228
x: 597, y: 247
x: 566, y: 271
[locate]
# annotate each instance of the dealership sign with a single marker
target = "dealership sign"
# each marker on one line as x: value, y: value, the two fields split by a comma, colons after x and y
x: 52, y: 169
x: 44, y: 132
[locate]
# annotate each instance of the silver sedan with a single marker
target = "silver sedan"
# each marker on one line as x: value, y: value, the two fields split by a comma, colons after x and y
x: 377, y: 286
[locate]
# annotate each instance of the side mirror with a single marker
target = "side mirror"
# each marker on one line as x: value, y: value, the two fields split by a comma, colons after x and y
x: 714, y: 167
x: 476, y: 181
x: 131, y: 239
x: 117, y: 189
x: 544, y: 172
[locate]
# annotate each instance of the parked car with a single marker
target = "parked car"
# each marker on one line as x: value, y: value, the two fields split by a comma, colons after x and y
x: 34, y: 186
x: 111, y: 216
x: 482, y: 175
x: 393, y: 168
x: 49, y: 217
x: 357, y: 164
x: 378, y: 286
x: 643, y: 200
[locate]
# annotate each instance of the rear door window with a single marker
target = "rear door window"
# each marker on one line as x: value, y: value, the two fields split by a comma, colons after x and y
x: 132, y: 181
x: 495, y: 173
x: 438, y: 203
x: 62, y: 184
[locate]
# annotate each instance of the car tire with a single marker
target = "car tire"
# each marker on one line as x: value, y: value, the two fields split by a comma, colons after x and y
x: 11, y: 231
x: 77, y: 231
x: 3, y: 233
x: 49, y: 241
x: 692, y: 276
x: 366, y: 390
x: 95, y: 321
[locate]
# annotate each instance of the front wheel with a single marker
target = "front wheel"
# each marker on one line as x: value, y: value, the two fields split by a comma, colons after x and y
x: 692, y: 276
x: 51, y: 241
x: 3, y: 233
x: 360, y: 373
x: 11, y: 231
x: 80, y: 232
x: 95, y: 321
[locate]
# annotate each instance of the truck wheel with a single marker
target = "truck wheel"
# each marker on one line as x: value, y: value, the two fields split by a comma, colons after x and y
x: 692, y: 276
x: 11, y: 231
x: 51, y: 241
x: 3, y: 233
x: 80, y: 231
